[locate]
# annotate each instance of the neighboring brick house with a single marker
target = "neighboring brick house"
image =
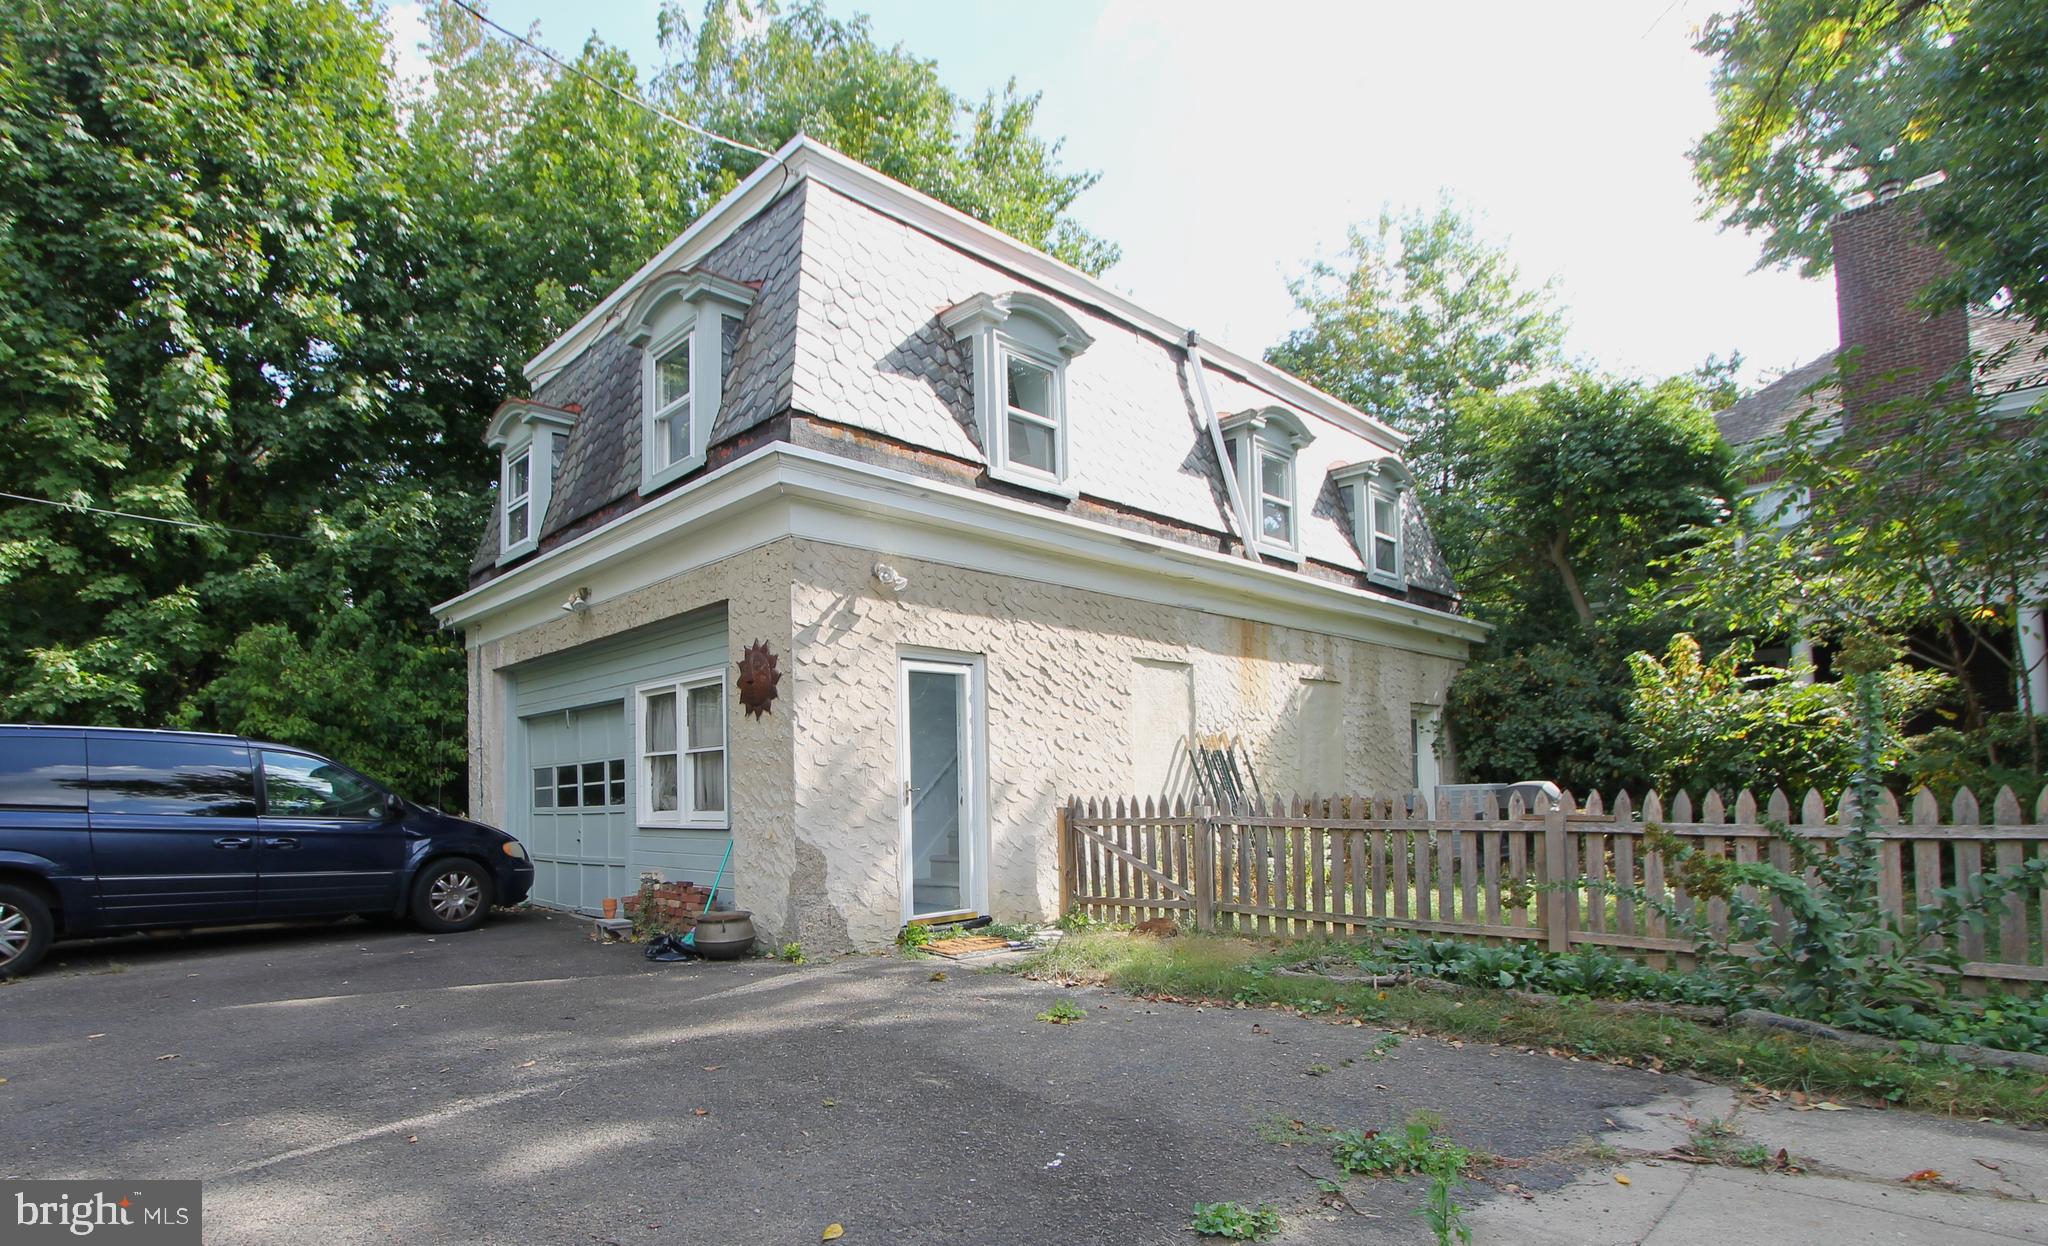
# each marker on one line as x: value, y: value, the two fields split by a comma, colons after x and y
x: 1894, y: 350
x: 1006, y: 536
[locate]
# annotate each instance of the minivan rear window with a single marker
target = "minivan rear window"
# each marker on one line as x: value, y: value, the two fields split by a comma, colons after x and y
x: 42, y: 773
x: 172, y: 779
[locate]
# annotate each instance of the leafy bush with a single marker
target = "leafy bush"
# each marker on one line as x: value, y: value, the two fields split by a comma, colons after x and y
x: 1705, y: 725
x: 1549, y: 711
x: 1235, y: 1221
x: 1996, y: 755
x: 1588, y: 972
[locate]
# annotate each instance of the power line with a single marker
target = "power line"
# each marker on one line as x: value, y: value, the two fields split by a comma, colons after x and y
x: 162, y: 519
x: 601, y: 84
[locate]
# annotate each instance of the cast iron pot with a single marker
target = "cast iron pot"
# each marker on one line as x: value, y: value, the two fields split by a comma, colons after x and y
x: 725, y: 936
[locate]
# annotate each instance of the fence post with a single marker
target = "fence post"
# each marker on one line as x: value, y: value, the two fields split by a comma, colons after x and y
x: 1205, y: 869
x: 1556, y: 910
x: 1065, y: 832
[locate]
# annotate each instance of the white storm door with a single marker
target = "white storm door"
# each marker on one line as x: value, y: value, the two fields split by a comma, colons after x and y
x: 939, y: 787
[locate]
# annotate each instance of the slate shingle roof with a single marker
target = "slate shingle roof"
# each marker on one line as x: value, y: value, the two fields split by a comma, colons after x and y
x: 1769, y: 411
x: 845, y: 328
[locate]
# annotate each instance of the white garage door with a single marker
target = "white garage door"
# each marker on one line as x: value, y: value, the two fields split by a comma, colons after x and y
x: 580, y: 821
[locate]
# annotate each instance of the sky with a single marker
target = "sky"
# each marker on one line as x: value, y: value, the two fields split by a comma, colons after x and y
x: 1237, y: 142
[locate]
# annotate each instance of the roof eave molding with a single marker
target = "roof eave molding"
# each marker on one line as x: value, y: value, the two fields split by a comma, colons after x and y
x: 692, y: 285
x: 516, y: 411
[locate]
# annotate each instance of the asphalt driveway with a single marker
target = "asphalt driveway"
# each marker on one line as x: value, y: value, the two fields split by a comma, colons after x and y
x: 523, y: 1084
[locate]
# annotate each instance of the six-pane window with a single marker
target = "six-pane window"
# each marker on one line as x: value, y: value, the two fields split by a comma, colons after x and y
x: 672, y: 405
x: 682, y: 751
x: 1276, y: 497
x: 1386, y: 534
x: 584, y: 785
x: 1031, y: 414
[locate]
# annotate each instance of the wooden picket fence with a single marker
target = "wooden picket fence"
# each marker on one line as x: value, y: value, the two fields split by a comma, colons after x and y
x: 1342, y: 865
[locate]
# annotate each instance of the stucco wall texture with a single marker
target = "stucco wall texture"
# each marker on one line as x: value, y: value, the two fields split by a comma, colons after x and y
x: 815, y: 794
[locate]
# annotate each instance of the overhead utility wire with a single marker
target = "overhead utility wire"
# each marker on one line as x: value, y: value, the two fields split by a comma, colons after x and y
x: 162, y: 519
x: 601, y: 84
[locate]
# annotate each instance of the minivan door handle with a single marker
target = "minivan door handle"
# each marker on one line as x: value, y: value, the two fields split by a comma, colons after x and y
x: 280, y: 841
x: 232, y: 841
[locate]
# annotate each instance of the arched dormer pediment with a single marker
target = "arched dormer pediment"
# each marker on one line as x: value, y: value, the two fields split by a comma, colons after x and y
x: 1387, y: 470
x: 515, y: 416
x: 1276, y: 424
x: 1019, y: 313
x: 675, y: 297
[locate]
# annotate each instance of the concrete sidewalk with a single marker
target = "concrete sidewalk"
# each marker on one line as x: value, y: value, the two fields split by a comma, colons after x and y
x: 1976, y: 1182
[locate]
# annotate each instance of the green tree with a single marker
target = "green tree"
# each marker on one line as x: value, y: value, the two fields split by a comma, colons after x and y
x: 1578, y: 484
x: 1818, y: 99
x: 1417, y: 313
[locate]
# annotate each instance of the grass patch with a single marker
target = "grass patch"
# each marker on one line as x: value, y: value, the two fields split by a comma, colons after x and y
x: 1212, y: 969
x: 1235, y: 1221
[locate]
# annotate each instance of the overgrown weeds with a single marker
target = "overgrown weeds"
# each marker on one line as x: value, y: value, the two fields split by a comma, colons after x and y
x: 1216, y: 970
x: 1235, y: 1221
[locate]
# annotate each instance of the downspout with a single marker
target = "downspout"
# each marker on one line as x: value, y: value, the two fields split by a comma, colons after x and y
x: 1234, y: 514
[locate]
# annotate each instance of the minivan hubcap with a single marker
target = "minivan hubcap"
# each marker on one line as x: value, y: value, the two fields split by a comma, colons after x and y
x: 455, y: 895
x: 14, y: 932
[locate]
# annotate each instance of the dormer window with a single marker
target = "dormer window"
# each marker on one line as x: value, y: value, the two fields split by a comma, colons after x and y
x: 679, y: 323
x: 527, y: 436
x: 1021, y: 344
x: 1372, y: 493
x: 1262, y: 446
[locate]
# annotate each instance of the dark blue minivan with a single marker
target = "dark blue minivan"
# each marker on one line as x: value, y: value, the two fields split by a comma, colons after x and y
x: 104, y: 829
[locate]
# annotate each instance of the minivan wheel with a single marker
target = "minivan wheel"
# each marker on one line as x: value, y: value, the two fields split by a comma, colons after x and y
x: 451, y: 895
x: 25, y: 930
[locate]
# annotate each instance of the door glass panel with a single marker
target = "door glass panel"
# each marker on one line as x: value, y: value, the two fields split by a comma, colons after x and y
x: 593, y: 785
x: 297, y: 786
x: 544, y: 788
x: 936, y: 859
x: 565, y: 786
x: 618, y: 781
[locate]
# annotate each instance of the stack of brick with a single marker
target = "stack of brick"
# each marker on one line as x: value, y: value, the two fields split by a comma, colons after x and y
x: 671, y: 907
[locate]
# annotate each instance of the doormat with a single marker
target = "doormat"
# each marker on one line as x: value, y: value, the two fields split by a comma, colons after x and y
x: 965, y: 945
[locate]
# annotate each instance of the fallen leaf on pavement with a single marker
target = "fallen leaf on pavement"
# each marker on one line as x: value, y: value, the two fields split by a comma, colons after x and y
x: 1925, y: 1174
x: 1621, y: 1179
x: 411, y: 1138
x: 700, y: 1111
x: 1830, y: 1107
x: 172, y: 1056
x: 832, y: 1233
x: 529, y: 1064
x: 713, y: 1068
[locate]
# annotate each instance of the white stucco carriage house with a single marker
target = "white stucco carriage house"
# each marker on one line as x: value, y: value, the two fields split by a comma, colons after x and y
x: 1005, y: 536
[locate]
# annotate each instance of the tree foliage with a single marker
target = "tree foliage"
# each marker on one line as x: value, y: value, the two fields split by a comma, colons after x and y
x: 1818, y: 99
x: 245, y: 289
x: 1418, y: 313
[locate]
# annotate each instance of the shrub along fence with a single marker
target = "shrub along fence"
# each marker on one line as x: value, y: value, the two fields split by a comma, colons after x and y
x: 1342, y: 865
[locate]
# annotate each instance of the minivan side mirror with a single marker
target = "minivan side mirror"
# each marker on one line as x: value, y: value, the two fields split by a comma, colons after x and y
x: 394, y: 806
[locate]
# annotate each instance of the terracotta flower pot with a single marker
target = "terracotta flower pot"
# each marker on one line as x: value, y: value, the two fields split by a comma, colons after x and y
x: 611, y: 907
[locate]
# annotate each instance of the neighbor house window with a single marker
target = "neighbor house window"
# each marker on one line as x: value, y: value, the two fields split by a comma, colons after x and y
x: 682, y: 751
x: 527, y: 436
x: 684, y: 324
x: 1372, y: 493
x: 1262, y: 447
x: 1020, y: 346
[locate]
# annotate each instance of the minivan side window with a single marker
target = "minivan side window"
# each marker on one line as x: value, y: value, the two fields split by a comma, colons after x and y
x: 172, y: 778
x: 298, y: 786
x: 42, y: 773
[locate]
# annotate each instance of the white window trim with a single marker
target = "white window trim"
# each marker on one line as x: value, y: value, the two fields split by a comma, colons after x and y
x: 1002, y: 466
x: 981, y: 322
x: 655, y: 326
x: 523, y: 427
x: 682, y: 817
x: 655, y: 468
x: 1386, y: 480
x: 1256, y: 435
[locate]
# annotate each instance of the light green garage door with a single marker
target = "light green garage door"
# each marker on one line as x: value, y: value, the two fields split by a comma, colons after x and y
x: 573, y: 776
x: 578, y: 837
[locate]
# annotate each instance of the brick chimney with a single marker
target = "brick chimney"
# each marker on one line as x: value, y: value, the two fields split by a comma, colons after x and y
x: 1892, y: 348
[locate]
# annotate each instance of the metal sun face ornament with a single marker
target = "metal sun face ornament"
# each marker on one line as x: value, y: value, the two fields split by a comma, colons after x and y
x: 758, y: 678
